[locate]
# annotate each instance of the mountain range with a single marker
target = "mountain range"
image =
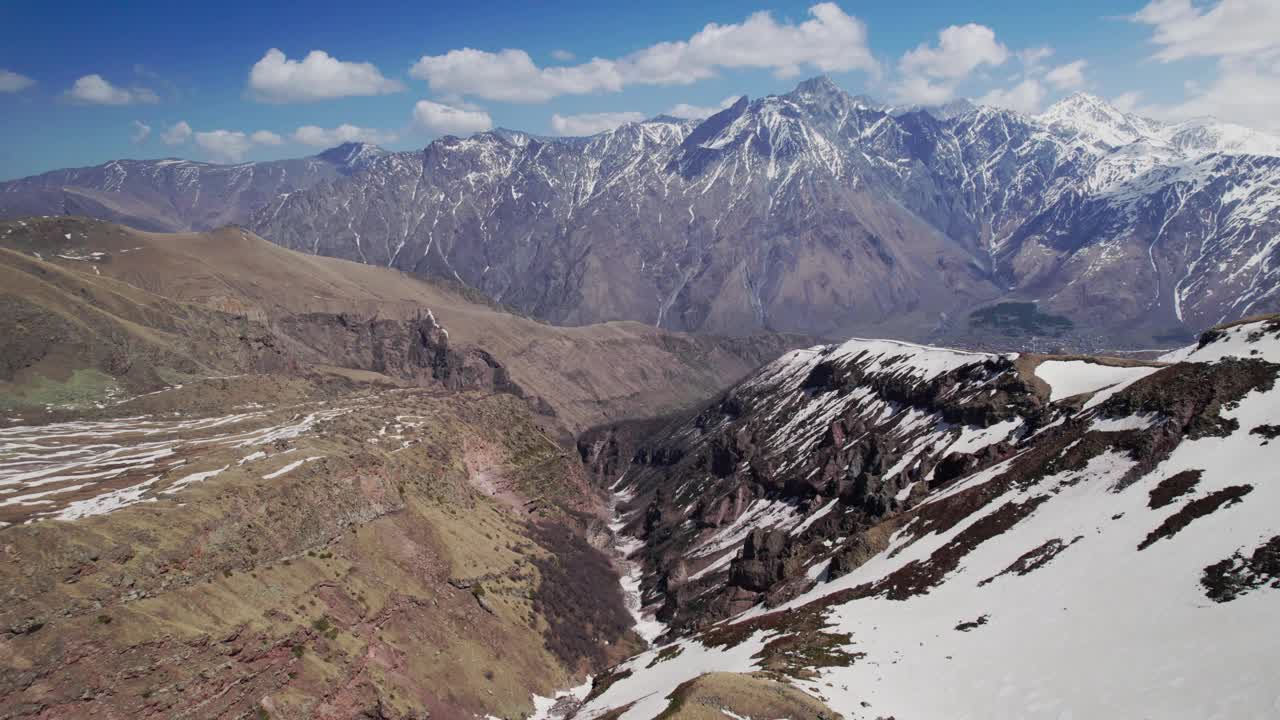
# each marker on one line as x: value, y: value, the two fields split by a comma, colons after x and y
x: 173, y: 194
x: 815, y: 212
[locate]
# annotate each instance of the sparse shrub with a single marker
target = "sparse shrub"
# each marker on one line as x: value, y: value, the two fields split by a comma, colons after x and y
x: 1020, y: 318
x: 104, y: 619
x: 580, y: 597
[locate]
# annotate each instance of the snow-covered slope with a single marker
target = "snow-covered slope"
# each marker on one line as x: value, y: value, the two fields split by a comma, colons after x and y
x: 1102, y: 543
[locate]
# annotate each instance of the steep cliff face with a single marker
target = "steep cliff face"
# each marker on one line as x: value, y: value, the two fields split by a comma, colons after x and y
x: 1013, y: 527
x: 864, y: 428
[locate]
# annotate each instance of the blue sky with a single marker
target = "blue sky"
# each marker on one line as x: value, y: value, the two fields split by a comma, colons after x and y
x: 79, y: 80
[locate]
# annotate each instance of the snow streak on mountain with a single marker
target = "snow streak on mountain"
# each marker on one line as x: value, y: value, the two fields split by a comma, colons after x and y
x: 822, y: 212
x: 816, y: 211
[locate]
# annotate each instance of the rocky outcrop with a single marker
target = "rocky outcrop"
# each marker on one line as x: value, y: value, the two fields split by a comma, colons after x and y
x: 1121, y: 505
x: 796, y: 474
x: 416, y: 350
x: 767, y: 558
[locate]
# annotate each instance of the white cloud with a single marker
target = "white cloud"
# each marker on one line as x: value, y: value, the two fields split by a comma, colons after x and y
x: 177, y: 134
x: 141, y: 132
x: 961, y: 49
x: 829, y: 41
x: 345, y: 133
x: 224, y: 145
x: 698, y: 112
x: 929, y: 74
x: 1127, y: 102
x: 1033, y: 58
x: 1067, y: 77
x: 591, y: 123
x: 1025, y: 97
x: 1241, y: 36
x: 920, y: 90
x: 1238, y: 28
x: 96, y: 90
x: 13, y: 82
x: 266, y: 137
x: 439, y: 119
x: 512, y: 76
x: 1244, y: 92
x: 219, y: 145
x: 318, y: 76
x: 562, y: 55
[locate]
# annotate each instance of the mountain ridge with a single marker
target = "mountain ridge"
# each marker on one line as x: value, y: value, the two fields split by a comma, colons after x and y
x: 1040, y: 534
x: 824, y: 213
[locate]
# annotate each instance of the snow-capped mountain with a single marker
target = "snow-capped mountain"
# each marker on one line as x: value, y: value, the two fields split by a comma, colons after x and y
x: 174, y: 194
x: 821, y: 212
x: 909, y: 531
x: 1095, y: 122
x: 816, y: 211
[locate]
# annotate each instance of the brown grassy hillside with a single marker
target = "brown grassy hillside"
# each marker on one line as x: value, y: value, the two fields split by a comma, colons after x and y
x: 587, y: 374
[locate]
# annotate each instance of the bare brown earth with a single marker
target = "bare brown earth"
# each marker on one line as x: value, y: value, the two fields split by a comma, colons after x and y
x: 379, y: 580
x: 756, y: 695
x: 336, y: 490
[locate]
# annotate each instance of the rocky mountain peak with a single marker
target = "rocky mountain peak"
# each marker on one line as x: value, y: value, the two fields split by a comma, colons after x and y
x: 819, y: 86
x: 1210, y: 135
x: 352, y: 155
x: 1094, y: 121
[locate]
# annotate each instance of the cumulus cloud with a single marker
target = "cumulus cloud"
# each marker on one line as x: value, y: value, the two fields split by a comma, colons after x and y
x: 266, y: 137
x: 562, y: 55
x: 177, y: 134
x: 591, y: 123
x: 219, y: 145
x: 1067, y: 77
x: 961, y: 49
x: 920, y: 90
x: 439, y: 119
x: 13, y: 82
x: 829, y: 41
x: 328, y: 137
x: 1127, y: 102
x: 224, y: 145
x: 96, y: 90
x: 1033, y: 58
x: 1229, y: 28
x: 1025, y: 97
x: 929, y: 74
x: 698, y: 112
x: 318, y: 76
x: 1240, y: 36
x: 141, y: 132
